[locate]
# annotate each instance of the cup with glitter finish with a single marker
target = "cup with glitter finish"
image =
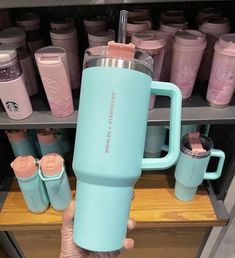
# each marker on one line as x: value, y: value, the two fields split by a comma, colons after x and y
x: 16, y: 37
x: 54, y: 71
x: 48, y: 141
x: 191, y: 168
x: 53, y: 173
x: 152, y: 43
x: 20, y: 143
x: 67, y: 39
x: 13, y: 93
x: 222, y: 78
x: 188, y: 47
x: 100, y: 38
x: 213, y: 28
x: 31, y: 185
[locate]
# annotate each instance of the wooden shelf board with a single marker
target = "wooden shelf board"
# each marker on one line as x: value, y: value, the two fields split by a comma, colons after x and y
x: 154, y: 205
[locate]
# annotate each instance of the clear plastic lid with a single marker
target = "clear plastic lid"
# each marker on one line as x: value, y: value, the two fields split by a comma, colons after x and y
x: 99, y: 56
x: 29, y: 21
x: 50, y: 55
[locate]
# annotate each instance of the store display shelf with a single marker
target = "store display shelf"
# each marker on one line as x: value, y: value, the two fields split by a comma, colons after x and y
x: 194, y: 111
x: 41, y: 3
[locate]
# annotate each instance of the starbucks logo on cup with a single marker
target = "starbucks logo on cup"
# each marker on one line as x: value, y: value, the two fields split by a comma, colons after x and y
x: 12, y: 106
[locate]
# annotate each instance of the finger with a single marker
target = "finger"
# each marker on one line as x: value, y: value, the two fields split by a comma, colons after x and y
x: 131, y: 224
x: 128, y: 244
x: 69, y: 214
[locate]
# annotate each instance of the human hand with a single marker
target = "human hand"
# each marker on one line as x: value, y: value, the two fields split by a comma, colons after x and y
x: 70, y: 250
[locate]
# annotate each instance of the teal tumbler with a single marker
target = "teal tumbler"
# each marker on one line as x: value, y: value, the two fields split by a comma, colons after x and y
x: 191, y: 167
x: 109, y: 144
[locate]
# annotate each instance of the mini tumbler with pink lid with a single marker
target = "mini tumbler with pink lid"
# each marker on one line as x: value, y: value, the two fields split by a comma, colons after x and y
x: 100, y: 38
x: 52, y: 172
x: 152, y: 43
x: 188, y: 47
x: 48, y: 141
x: 20, y: 142
x: 32, y: 187
x: 222, y: 78
x: 213, y: 28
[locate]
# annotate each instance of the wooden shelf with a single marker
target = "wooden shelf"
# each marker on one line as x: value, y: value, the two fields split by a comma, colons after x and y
x: 154, y: 206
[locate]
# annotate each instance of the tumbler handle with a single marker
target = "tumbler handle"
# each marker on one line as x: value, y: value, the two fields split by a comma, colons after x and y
x: 172, y: 91
x: 215, y: 175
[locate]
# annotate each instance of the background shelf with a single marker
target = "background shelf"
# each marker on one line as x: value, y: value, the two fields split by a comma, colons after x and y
x: 194, y: 111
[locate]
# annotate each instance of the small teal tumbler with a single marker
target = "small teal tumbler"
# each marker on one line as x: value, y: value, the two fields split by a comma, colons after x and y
x: 191, y: 167
x: 31, y: 185
x: 20, y: 143
x: 52, y: 172
x: 109, y: 144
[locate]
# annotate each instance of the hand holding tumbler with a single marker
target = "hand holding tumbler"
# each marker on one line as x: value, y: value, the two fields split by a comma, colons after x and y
x: 108, y: 158
x: 190, y: 171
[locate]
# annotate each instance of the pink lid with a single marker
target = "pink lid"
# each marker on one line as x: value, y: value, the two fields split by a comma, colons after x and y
x: 29, y: 21
x: 218, y: 25
x: 121, y: 50
x: 208, y: 12
x: 195, y: 143
x: 61, y: 24
x: 46, y: 136
x: 24, y: 166
x: 63, y: 33
x: 102, y: 36
x: 190, y: 38
x: 148, y: 40
x: 170, y: 28
x: 51, y: 164
x: 16, y: 135
x: 226, y: 44
x: 136, y: 26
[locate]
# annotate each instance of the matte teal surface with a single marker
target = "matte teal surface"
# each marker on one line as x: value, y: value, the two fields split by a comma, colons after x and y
x: 34, y: 193
x: 59, y: 191
x: 23, y: 148
x: 51, y: 148
x: 190, y: 172
x: 108, y: 156
x: 63, y: 138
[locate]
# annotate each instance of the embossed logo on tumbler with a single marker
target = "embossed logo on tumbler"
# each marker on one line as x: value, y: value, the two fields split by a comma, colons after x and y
x: 13, y: 93
x: 108, y: 158
x: 222, y: 78
x: 54, y: 71
x: 53, y: 173
x: 191, y: 167
x: 31, y: 185
x: 188, y: 47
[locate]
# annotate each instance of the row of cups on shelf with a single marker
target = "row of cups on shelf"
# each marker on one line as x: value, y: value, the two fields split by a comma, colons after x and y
x: 177, y: 54
x: 43, y: 182
x: 38, y: 142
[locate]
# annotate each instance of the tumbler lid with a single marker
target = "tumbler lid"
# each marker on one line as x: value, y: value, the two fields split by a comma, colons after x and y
x: 7, y: 53
x: 12, y: 35
x: 46, y: 136
x: 15, y: 135
x: 148, y: 40
x: 29, y: 21
x: 24, y: 166
x: 63, y: 33
x: 51, y: 164
x: 226, y: 44
x: 206, y: 143
x: 218, y: 25
x: 133, y: 13
x: 102, y: 36
x: 95, y: 21
x: 136, y: 26
x: 50, y: 55
x: 190, y: 38
x: 61, y: 24
x: 170, y: 28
